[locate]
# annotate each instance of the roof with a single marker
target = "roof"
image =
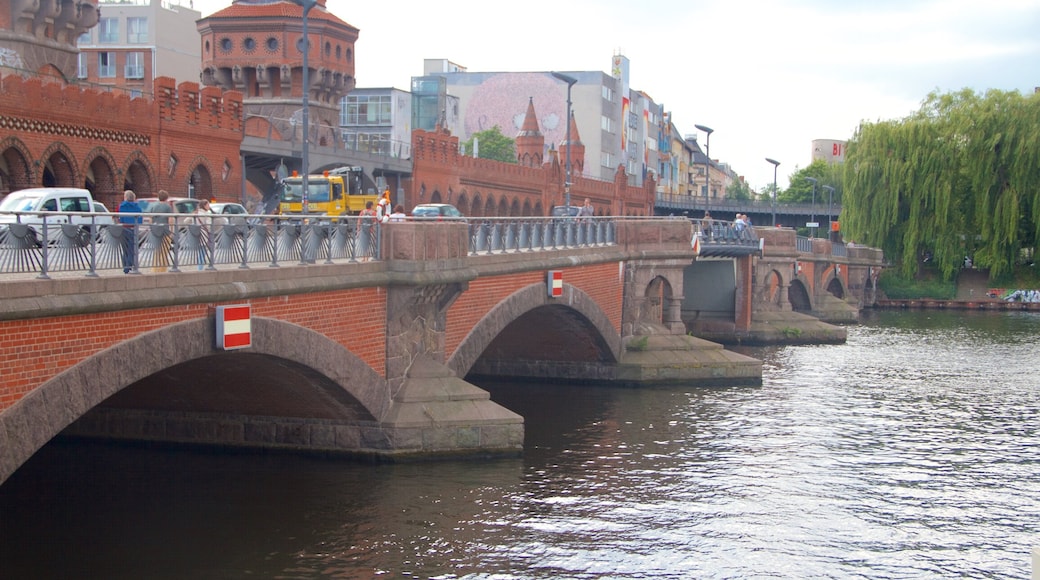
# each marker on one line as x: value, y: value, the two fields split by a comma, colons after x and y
x: 276, y: 9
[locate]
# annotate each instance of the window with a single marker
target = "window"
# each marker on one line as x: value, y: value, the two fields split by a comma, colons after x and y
x: 81, y: 68
x: 108, y: 31
x: 608, y: 94
x: 607, y: 124
x: 367, y: 110
x: 137, y: 30
x: 272, y: 44
x: 134, y: 65
x: 249, y: 44
x: 106, y: 65
x: 606, y: 160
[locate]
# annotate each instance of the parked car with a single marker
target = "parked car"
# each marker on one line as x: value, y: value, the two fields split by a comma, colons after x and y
x: 229, y: 208
x: 180, y: 204
x: 105, y: 218
x: 56, y: 199
x: 436, y: 210
x: 565, y: 211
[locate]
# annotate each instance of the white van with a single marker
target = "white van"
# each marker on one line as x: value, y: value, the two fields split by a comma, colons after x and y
x: 56, y: 199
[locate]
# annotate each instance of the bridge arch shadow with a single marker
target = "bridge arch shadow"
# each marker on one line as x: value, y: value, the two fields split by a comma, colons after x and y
x: 529, y: 328
x: 328, y: 382
x: 836, y: 288
x: 798, y: 296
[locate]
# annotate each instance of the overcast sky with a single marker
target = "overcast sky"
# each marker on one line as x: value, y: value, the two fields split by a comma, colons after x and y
x: 768, y: 76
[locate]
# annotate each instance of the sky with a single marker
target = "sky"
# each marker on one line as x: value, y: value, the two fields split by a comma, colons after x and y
x: 769, y: 76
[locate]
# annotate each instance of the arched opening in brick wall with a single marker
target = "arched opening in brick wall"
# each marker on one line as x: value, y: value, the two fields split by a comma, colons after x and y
x: 503, y: 208
x: 15, y: 172
x: 529, y: 328
x: 58, y: 170
x: 835, y: 288
x: 798, y: 296
x: 435, y: 197
x: 100, y: 180
x: 489, y: 206
x: 658, y: 294
x: 289, y: 372
x: 772, y: 291
x: 200, y: 183
x: 138, y: 179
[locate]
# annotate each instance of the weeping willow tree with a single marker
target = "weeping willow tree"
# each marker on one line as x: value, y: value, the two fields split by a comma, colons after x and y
x: 960, y: 177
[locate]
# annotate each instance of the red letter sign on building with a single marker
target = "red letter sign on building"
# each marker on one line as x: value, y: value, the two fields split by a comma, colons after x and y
x: 555, y: 283
x: 233, y: 327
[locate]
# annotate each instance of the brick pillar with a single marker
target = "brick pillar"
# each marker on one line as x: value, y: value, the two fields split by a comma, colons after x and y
x: 745, y: 279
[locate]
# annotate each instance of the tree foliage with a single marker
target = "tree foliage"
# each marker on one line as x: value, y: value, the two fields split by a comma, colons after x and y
x: 800, y: 189
x: 960, y: 177
x: 738, y: 190
x: 493, y: 145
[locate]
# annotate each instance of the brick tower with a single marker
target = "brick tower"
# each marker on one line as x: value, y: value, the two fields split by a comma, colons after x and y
x: 530, y: 143
x: 43, y: 35
x: 255, y: 47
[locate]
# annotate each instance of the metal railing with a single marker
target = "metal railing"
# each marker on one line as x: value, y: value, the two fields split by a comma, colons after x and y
x: 48, y: 242
x: 496, y: 235
x: 720, y: 232
x: 44, y: 243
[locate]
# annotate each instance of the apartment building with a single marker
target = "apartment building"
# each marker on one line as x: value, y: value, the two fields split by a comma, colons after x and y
x: 136, y: 41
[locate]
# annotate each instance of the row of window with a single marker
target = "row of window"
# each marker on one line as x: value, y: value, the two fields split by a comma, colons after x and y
x: 249, y: 45
x: 133, y: 66
x: 108, y: 31
x: 366, y: 110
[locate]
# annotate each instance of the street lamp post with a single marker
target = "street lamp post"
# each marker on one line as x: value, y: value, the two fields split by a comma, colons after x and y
x: 812, y: 219
x: 567, y: 185
x: 775, y: 165
x: 305, y: 47
x: 830, y: 210
x: 707, y: 164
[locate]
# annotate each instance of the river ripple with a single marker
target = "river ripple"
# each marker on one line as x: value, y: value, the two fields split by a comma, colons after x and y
x: 911, y: 451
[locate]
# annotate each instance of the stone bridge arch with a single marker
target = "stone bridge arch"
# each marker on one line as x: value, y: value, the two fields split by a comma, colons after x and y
x: 585, y: 317
x: 799, y: 295
x: 57, y: 403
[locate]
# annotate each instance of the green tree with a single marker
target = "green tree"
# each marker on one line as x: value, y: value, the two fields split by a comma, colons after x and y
x: 958, y: 177
x: 738, y: 190
x: 493, y: 145
x: 800, y: 189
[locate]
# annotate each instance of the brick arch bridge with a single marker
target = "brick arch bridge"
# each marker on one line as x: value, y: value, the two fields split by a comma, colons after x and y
x: 356, y: 358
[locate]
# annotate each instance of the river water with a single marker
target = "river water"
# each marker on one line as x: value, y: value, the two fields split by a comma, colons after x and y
x: 912, y: 451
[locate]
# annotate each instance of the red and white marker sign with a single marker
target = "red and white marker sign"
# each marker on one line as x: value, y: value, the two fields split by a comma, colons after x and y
x: 555, y: 283
x: 234, y: 329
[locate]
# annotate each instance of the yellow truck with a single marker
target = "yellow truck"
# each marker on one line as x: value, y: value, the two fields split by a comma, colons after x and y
x: 334, y: 193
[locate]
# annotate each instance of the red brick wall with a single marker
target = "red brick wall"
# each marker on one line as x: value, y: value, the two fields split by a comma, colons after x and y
x: 33, y: 351
x: 601, y: 282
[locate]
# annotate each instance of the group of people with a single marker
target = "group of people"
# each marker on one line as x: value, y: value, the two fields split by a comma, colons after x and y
x: 131, y: 217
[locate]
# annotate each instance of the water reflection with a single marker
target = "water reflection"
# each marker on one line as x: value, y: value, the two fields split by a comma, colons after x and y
x: 909, y: 452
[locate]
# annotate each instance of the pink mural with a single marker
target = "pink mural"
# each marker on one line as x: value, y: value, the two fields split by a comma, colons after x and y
x: 502, y: 100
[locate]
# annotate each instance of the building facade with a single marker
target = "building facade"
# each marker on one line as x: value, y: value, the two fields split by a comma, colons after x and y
x: 137, y: 41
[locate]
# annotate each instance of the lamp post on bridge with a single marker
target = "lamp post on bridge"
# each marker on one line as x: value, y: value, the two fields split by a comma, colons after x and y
x: 305, y: 47
x: 830, y: 210
x: 775, y: 165
x: 567, y: 185
x: 707, y: 164
x: 812, y: 220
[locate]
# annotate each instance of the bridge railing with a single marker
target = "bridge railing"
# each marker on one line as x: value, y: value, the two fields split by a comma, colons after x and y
x: 516, y: 234
x: 47, y: 242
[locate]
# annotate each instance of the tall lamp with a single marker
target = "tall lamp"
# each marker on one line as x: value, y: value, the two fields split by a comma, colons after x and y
x: 812, y: 220
x: 707, y: 164
x: 775, y: 165
x: 567, y: 186
x: 306, y: 48
x: 830, y: 210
